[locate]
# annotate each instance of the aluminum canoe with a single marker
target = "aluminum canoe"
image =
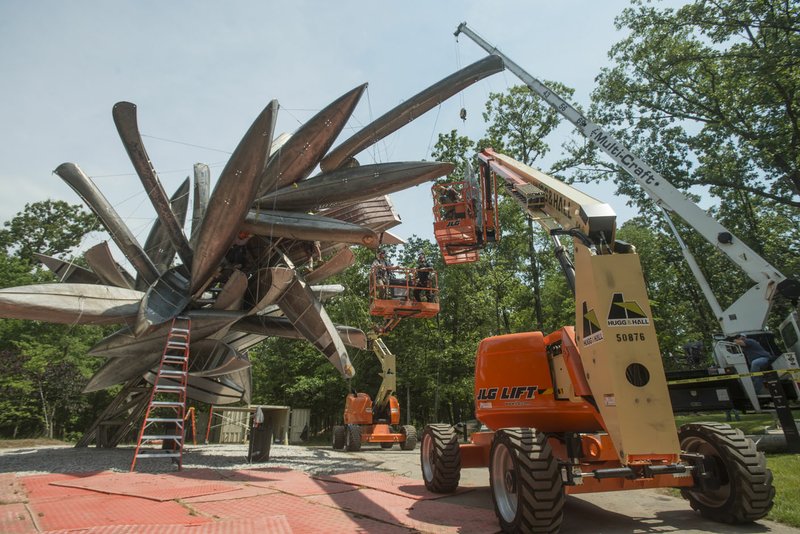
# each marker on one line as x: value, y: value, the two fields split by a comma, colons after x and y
x: 228, y: 389
x: 302, y: 226
x: 376, y: 213
x: 232, y: 197
x: 158, y: 245
x: 205, y: 323
x: 299, y: 155
x: 66, y: 271
x: 106, y: 268
x: 211, y: 357
x: 409, y: 110
x: 332, y: 266
x: 353, y: 184
x: 282, y: 327
x: 70, y: 303
x: 119, y: 232
x: 124, y: 114
x: 232, y: 293
x: 163, y: 300
x: 202, y: 187
x: 308, y: 316
x: 267, y: 286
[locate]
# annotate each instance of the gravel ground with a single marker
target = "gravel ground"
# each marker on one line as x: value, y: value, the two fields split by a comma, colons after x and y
x: 66, y: 459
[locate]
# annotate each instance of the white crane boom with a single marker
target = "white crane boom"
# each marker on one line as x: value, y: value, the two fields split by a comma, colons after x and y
x: 750, y: 311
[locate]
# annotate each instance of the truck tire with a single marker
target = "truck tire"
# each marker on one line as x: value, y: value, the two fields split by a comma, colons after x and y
x: 339, y: 437
x: 353, y: 438
x: 410, y: 434
x: 440, y: 458
x: 740, y: 489
x: 525, y: 479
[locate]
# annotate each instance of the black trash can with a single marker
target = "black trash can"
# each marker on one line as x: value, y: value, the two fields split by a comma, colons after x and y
x: 260, y: 437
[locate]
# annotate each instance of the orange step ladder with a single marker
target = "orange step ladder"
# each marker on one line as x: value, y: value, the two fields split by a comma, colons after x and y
x: 166, y: 410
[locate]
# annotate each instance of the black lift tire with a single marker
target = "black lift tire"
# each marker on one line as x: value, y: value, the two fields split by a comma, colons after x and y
x: 339, y: 437
x: 410, y: 442
x: 740, y: 489
x: 353, y: 438
x: 440, y: 458
x: 386, y: 445
x: 525, y: 479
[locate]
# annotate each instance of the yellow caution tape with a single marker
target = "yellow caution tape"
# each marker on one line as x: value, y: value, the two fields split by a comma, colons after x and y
x: 731, y: 377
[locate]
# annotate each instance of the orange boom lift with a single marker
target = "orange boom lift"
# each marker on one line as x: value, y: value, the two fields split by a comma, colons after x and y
x: 398, y: 293
x: 586, y: 408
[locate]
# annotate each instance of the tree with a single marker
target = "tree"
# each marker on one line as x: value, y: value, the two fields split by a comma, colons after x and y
x: 44, y: 366
x: 519, y: 123
x: 715, y: 82
x: 48, y: 227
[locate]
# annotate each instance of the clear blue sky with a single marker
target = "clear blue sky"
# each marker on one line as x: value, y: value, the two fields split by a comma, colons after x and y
x: 201, y: 71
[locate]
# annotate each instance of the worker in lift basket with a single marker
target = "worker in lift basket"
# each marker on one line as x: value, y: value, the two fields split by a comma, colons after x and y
x: 758, y: 358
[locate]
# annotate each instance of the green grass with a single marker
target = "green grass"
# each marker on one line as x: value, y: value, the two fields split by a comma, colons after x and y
x: 786, y: 470
x: 750, y: 423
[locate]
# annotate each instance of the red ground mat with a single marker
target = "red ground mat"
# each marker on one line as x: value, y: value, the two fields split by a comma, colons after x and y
x: 302, y: 485
x: 16, y: 519
x: 406, y: 487
x: 420, y: 515
x: 240, y: 493
x: 275, y: 524
x: 40, y: 487
x: 303, y: 516
x: 258, y: 475
x: 99, y: 510
x: 11, y: 489
x: 164, y: 487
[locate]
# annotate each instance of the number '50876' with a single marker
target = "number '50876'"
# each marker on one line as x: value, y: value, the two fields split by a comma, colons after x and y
x: 635, y: 336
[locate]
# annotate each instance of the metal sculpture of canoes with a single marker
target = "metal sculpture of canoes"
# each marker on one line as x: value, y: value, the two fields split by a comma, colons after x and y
x: 353, y: 184
x: 232, y: 196
x: 124, y: 114
x: 119, y: 232
x: 70, y: 303
x: 158, y: 245
x: 309, y: 317
x: 67, y: 271
x: 106, y: 268
x: 302, y: 226
x: 410, y: 110
x: 299, y: 155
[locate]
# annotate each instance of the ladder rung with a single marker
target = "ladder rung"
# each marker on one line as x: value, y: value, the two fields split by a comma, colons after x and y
x: 161, y: 437
x: 170, y: 372
x: 170, y: 388
x: 175, y: 404
x: 176, y: 329
x: 164, y: 420
x: 145, y: 454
